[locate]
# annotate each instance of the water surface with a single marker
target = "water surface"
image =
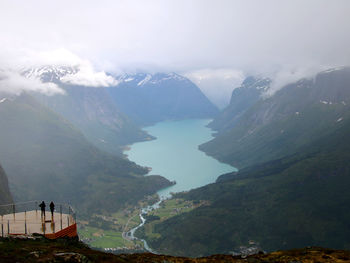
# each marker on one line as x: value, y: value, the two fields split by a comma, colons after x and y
x: 175, y: 155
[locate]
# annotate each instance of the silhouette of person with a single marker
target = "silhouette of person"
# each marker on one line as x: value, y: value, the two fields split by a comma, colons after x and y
x: 42, y: 207
x: 52, y: 208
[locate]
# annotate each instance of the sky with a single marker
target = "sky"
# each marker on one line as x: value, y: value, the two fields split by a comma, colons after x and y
x: 213, y: 42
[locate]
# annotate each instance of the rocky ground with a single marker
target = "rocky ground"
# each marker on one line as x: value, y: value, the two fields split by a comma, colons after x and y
x: 67, y: 250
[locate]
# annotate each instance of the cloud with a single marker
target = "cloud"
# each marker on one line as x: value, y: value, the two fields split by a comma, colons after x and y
x: 289, y: 75
x: 254, y: 36
x: 217, y: 84
x: 12, y: 82
x: 86, y: 76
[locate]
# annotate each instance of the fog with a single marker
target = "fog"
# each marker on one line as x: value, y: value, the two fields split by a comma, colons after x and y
x: 271, y: 38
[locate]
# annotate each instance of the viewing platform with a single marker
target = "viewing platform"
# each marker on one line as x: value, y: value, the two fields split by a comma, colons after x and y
x: 26, y: 219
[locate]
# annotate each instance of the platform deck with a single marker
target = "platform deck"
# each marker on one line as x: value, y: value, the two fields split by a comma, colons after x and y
x: 30, y: 222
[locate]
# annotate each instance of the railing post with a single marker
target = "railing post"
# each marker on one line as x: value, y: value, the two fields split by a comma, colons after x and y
x: 2, y: 229
x: 14, y: 211
x: 61, y: 215
x: 25, y: 221
x: 68, y: 220
x: 36, y: 208
x: 8, y: 227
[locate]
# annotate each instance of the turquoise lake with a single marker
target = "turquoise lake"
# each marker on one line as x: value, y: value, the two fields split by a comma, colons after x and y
x: 175, y: 155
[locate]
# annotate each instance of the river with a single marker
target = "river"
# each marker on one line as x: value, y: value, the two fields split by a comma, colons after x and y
x: 174, y: 154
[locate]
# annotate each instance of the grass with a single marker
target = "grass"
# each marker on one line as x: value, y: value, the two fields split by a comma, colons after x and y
x: 168, y: 209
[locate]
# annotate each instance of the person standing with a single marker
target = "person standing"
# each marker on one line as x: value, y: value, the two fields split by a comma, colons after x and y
x: 52, y: 208
x: 42, y: 207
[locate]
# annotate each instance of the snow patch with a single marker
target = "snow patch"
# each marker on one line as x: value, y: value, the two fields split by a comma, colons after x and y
x: 297, y: 113
x: 145, y: 80
x: 333, y: 69
x: 326, y: 102
x: 2, y: 100
x: 264, y: 88
x: 340, y: 119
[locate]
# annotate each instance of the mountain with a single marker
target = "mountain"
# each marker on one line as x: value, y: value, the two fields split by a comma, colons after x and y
x: 5, y: 195
x: 148, y: 99
x: 90, y: 109
x: 47, y: 158
x: 279, y: 125
x: 294, y: 193
x: 242, y: 98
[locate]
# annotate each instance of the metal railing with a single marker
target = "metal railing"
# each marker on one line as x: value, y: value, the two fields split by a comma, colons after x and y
x: 26, y: 218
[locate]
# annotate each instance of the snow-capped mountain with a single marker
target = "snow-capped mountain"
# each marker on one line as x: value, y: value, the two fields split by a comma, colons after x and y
x: 49, y: 73
x: 142, y: 79
x: 150, y: 98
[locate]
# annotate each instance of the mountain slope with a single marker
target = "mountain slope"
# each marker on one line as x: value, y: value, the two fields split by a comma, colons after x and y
x: 47, y: 158
x: 5, y: 195
x: 242, y: 98
x: 90, y: 109
x: 148, y: 99
x: 299, y: 200
x: 278, y: 126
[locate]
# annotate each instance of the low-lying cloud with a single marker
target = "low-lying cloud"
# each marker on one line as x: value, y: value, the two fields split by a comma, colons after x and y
x: 86, y: 76
x: 12, y: 82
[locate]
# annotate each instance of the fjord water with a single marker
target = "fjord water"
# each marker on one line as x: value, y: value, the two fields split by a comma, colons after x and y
x: 175, y: 155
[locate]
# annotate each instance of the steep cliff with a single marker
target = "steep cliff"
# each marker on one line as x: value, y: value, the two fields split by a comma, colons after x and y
x: 5, y: 195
